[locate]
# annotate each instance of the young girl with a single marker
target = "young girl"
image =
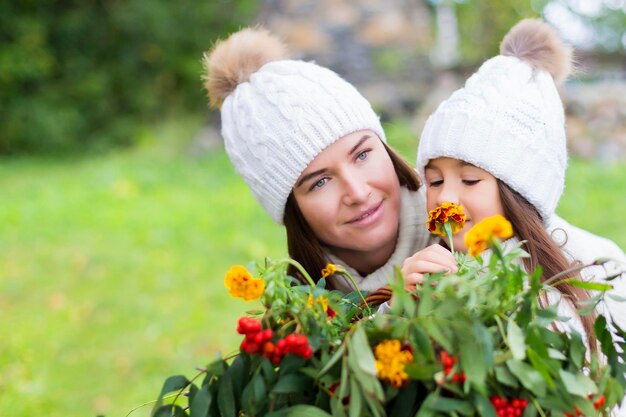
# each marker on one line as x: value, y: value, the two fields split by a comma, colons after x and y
x: 497, y: 146
x: 313, y: 153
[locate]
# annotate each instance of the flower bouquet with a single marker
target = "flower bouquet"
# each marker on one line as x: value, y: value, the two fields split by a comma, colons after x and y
x: 473, y: 343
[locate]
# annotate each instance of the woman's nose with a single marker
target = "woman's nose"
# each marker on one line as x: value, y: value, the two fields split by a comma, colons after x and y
x: 355, y: 189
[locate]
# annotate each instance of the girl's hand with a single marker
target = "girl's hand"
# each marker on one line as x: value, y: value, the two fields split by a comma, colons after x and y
x: 435, y: 258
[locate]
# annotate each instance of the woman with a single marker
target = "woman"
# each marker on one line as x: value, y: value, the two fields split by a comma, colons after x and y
x: 313, y: 153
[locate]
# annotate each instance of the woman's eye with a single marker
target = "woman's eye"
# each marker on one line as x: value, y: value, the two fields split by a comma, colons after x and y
x: 363, y: 155
x: 320, y: 183
x: 435, y: 183
x: 471, y: 182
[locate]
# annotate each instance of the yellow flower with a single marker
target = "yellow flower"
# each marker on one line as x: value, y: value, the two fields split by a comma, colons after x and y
x: 478, y: 237
x: 391, y: 360
x: 323, y: 301
x: 447, y: 212
x: 329, y: 270
x: 241, y: 284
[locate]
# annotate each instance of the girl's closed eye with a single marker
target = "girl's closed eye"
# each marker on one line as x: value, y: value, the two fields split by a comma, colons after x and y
x: 435, y: 183
x: 471, y: 181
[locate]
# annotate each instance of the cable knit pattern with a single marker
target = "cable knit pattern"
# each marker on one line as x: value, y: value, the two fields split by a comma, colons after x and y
x: 413, y: 236
x: 275, y: 124
x: 509, y: 121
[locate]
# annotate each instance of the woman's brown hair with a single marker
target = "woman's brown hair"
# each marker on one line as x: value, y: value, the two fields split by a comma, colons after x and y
x: 304, y: 247
x: 544, y: 252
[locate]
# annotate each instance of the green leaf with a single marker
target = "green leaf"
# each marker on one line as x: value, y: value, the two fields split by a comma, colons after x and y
x: 556, y: 354
x: 254, y: 395
x: 504, y: 376
x: 578, y: 384
x: 290, y: 364
x: 201, y: 402
x: 291, y: 383
x: 436, y: 332
x: 360, y: 350
x: 616, y: 297
x: 483, y: 406
x: 421, y: 342
x: 472, y: 358
x: 590, y: 286
x: 226, y: 397
x: 404, y: 404
x: 300, y: 410
x: 333, y: 360
x: 528, y: 377
x: 425, y: 410
x: 422, y: 371
x: 355, y: 407
x: 170, y: 410
x: 448, y: 405
x: 541, y: 367
x: 173, y: 383
x: 515, y: 339
x: 577, y: 349
x: 237, y: 372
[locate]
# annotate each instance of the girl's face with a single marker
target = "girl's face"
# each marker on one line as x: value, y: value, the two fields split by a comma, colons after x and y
x: 458, y: 182
x: 350, y: 196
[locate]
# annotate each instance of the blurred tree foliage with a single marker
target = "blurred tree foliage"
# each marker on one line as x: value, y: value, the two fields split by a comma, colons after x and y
x: 483, y: 23
x: 84, y: 73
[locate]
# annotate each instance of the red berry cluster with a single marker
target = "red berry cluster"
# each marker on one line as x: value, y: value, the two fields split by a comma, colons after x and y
x: 260, y: 341
x: 598, y: 404
x: 508, y: 408
x: 256, y: 337
x: 295, y: 344
x: 448, y: 361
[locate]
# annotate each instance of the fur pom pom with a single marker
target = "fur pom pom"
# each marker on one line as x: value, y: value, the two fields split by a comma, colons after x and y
x: 234, y: 60
x: 538, y: 44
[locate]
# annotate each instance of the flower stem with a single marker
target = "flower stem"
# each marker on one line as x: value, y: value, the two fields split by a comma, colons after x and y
x: 301, y: 270
x: 351, y: 279
x: 447, y: 227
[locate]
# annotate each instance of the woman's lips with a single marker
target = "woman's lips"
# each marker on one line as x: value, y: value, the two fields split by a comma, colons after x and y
x: 369, y: 216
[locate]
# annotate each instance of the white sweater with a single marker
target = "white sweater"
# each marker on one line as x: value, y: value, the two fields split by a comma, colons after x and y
x: 580, y: 245
x: 413, y: 236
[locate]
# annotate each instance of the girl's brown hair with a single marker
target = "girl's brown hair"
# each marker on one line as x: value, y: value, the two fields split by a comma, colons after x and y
x: 305, y: 247
x: 544, y: 251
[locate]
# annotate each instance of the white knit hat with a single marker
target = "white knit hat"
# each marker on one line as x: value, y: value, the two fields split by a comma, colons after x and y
x: 509, y: 119
x: 277, y: 114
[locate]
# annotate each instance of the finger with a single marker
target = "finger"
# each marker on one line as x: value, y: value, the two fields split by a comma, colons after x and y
x: 435, y: 254
x: 423, y: 267
x: 412, y: 279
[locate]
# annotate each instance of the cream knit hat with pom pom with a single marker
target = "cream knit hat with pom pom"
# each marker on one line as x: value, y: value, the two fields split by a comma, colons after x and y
x: 279, y: 114
x: 509, y: 119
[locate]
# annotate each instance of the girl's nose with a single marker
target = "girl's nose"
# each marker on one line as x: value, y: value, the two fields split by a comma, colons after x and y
x: 448, y: 194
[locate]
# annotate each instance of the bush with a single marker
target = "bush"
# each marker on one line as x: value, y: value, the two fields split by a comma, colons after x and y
x: 75, y: 74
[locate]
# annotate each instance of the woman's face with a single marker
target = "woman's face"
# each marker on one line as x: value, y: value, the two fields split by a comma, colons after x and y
x: 350, y: 196
x: 455, y: 181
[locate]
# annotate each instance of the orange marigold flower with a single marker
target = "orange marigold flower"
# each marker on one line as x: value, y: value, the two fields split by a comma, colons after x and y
x: 329, y: 270
x: 391, y: 360
x: 241, y: 284
x: 478, y: 237
x: 447, y: 212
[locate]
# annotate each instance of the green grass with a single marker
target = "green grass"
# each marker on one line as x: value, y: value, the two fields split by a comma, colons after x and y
x: 111, y: 267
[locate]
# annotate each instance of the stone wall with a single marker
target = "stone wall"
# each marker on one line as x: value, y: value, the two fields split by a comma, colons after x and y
x: 381, y: 46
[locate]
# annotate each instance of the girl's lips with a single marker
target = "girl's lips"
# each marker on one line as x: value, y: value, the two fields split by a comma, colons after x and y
x: 367, y: 217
